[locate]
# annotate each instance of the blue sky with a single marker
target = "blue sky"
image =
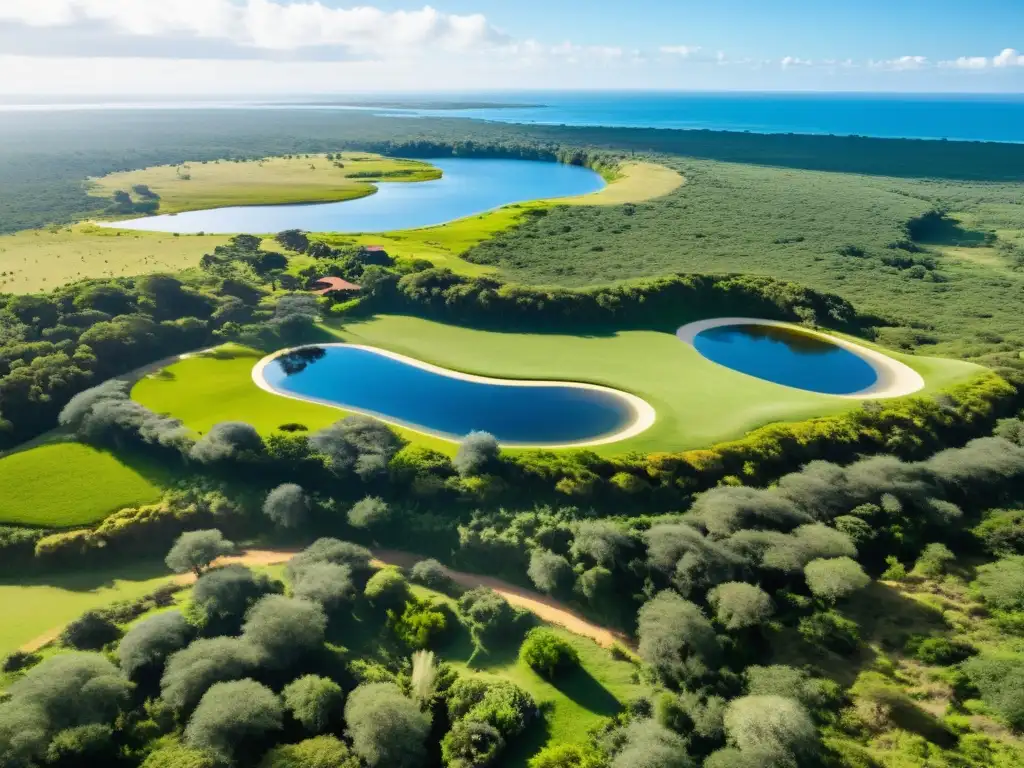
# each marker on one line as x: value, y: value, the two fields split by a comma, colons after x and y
x: 324, y: 46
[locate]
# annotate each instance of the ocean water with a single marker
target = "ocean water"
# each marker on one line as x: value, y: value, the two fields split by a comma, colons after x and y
x: 467, y: 187
x: 953, y: 117
x: 965, y: 117
x: 373, y: 383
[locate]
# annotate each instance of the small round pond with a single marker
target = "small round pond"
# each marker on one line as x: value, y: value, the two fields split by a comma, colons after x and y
x: 787, y: 356
x: 437, y: 401
x: 467, y: 187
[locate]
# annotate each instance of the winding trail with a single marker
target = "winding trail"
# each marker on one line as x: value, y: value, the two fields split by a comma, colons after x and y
x: 542, y: 606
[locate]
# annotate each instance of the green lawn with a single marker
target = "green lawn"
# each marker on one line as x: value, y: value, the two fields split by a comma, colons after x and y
x: 697, y: 402
x: 36, y: 606
x: 69, y: 484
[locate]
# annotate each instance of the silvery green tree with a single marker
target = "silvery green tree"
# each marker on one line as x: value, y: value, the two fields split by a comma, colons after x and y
x: 835, y: 578
x: 371, y: 512
x: 233, y: 718
x: 284, y: 629
x: 315, y: 702
x: 195, y: 551
x: 386, y: 728
x: 287, y: 505
x: 739, y: 605
x: 148, y: 644
x: 477, y: 451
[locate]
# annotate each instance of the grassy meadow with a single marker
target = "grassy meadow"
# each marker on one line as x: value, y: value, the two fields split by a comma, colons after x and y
x: 306, y: 178
x: 63, y: 485
x: 698, y: 403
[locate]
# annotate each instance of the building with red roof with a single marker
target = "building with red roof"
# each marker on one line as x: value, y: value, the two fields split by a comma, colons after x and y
x: 327, y: 285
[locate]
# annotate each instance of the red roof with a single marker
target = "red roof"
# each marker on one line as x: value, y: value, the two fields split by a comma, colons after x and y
x: 334, y: 284
x: 374, y: 248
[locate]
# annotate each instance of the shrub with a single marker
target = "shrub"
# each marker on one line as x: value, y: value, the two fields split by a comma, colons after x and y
x: 228, y: 441
x: 499, y: 703
x: 19, y: 660
x: 488, y: 615
x: 387, y: 589
x: 176, y: 755
x: 328, y: 584
x: 196, y: 550
x: 424, y: 677
x: 222, y: 597
x: 90, y: 632
x: 547, y: 654
x: 676, y: 639
x: 791, y: 683
x: 191, y: 672
x: 431, y: 574
x: 933, y: 561
x: 1002, y: 532
x: 1001, y: 583
x: 1000, y: 681
x: 830, y: 630
x: 287, y: 505
x: 567, y: 756
x: 385, y: 727
x: 148, y: 644
x: 599, y: 543
x: 314, y: 701
x: 232, y: 719
x: 773, y: 726
x: 420, y: 623
x: 284, y: 628
x: 835, y: 578
x: 371, y: 512
x: 319, y: 752
x: 939, y: 650
x: 470, y: 744
x: 355, y: 557
x: 739, y: 606
x: 476, y: 452
x: 549, y: 572
x: 84, y: 745
x: 646, y: 744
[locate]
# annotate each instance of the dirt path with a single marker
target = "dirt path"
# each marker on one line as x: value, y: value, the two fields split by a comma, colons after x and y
x: 542, y: 606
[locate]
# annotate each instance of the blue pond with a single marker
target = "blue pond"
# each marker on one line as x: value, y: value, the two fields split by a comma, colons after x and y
x: 786, y: 357
x: 467, y: 187
x: 367, y: 381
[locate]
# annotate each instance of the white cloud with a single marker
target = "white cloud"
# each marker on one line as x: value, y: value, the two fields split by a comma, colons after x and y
x: 795, y: 61
x: 684, y: 51
x: 902, y: 64
x: 1009, y: 58
x: 267, y: 25
x: 967, y: 62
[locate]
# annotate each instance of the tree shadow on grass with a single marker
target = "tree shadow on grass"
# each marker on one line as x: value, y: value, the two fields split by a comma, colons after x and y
x: 584, y: 689
x: 527, y: 744
x: 92, y: 579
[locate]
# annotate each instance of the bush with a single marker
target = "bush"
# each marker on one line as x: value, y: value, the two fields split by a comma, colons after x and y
x: 567, y: 756
x: 148, y: 644
x: 19, y: 660
x: 284, y: 629
x: 371, y: 512
x: 939, y: 650
x: 647, y: 744
x: 772, y: 726
x: 90, y: 632
x: 319, y: 752
x: 499, y: 703
x: 228, y: 441
x: 355, y: 557
x: 488, y: 615
x: 314, y: 701
x: 676, y: 639
x: 431, y: 574
x: 178, y: 756
x: 328, y: 584
x: 1000, y: 681
x: 287, y: 506
x: 196, y: 550
x: 549, y: 572
x: 547, y: 654
x: 222, y: 597
x: 385, y: 727
x: 1001, y: 583
x: 830, y: 630
x: 835, y: 578
x: 470, y: 744
x: 739, y: 606
x: 934, y: 561
x: 791, y: 683
x: 387, y: 589
x: 477, y: 451
x: 420, y: 623
x: 85, y: 745
x: 1002, y: 532
x: 234, y: 719
x: 191, y: 672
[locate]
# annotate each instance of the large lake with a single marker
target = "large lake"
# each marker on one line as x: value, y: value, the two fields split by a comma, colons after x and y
x: 468, y: 187
x: 435, y: 401
x: 787, y: 357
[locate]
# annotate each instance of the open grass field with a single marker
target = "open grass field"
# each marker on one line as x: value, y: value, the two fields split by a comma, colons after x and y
x: 42, y: 259
x: 35, y: 605
x: 274, y: 180
x: 69, y: 484
x: 698, y: 403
